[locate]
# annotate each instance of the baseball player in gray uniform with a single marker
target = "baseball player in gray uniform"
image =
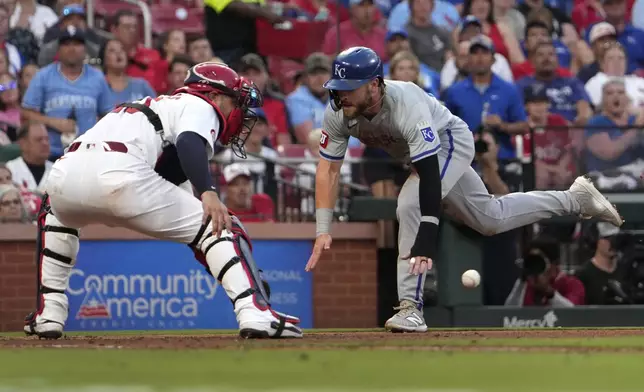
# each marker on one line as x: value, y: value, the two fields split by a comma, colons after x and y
x: 414, y: 127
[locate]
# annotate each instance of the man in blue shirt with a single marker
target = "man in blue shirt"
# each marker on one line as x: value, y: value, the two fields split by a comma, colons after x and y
x: 567, y: 96
x: 396, y: 41
x: 629, y: 36
x: 307, y: 103
x: 444, y: 15
x: 67, y: 96
x: 485, y: 101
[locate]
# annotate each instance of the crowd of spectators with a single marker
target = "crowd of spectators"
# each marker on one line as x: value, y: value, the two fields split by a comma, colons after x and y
x: 519, y: 72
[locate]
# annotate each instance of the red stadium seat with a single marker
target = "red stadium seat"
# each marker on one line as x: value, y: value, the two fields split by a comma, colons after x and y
x: 303, y: 39
x: 290, y: 151
x: 172, y: 16
x: 108, y: 8
x: 181, y: 3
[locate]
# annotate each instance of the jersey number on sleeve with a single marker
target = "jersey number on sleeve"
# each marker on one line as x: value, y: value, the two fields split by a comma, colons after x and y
x: 324, y: 139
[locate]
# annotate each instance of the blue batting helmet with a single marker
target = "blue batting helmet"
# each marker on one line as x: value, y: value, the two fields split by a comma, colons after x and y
x: 353, y: 68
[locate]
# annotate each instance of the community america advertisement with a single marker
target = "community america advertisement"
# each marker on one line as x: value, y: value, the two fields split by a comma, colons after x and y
x: 157, y: 285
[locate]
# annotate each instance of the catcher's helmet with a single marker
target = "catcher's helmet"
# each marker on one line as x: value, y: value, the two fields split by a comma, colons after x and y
x: 353, y: 68
x: 210, y: 77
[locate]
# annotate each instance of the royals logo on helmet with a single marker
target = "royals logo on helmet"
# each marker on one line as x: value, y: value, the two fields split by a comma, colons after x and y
x: 340, y: 71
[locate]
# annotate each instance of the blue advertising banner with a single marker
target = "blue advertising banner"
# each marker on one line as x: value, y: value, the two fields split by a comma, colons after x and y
x: 144, y: 285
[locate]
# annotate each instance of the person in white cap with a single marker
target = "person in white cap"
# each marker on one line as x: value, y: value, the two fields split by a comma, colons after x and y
x: 627, y: 34
x: 600, y: 35
x: 240, y: 200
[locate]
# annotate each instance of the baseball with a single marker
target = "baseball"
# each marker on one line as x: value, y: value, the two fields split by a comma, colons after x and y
x: 471, y: 278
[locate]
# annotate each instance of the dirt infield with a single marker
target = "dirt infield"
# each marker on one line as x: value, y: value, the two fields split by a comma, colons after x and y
x: 431, y: 341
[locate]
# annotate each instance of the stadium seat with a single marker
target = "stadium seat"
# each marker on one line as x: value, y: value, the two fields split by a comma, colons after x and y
x: 303, y: 39
x: 172, y: 16
x: 181, y: 3
x: 107, y: 8
x: 290, y: 151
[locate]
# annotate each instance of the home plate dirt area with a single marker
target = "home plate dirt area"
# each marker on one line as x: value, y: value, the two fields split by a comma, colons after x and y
x: 572, y: 340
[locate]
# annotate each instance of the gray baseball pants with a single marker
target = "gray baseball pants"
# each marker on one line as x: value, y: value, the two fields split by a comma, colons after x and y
x: 467, y: 200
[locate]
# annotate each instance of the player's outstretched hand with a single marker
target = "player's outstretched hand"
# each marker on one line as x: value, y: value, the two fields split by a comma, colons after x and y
x: 322, y: 242
x: 217, y: 211
x: 418, y: 264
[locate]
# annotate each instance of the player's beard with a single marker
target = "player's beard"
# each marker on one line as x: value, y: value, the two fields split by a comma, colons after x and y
x: 358, y: 110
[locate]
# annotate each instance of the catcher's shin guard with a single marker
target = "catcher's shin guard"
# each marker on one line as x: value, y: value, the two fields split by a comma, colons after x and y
x: 57, y: 247
x: 229, y: 259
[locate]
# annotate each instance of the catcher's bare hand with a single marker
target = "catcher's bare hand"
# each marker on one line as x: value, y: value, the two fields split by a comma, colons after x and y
x: 418, y: 264
x: 217, y: 211
x: 322, y: 242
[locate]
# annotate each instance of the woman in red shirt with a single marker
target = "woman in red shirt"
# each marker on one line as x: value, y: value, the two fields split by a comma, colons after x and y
x: 505, y: 42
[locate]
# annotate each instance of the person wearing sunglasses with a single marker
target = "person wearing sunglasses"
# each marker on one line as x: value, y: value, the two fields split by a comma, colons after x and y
x: 9, y: 101
x: 12, y: 209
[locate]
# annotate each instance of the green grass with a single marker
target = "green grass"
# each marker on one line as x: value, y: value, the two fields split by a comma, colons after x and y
x: 337, y: 370
x: 331, y: 365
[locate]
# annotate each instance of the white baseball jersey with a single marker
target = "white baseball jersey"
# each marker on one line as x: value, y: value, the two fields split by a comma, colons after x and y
x: 410, y: 126
x: 178, y: 113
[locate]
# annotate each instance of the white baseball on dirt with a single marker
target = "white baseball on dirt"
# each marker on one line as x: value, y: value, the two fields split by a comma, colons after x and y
x: 471, y: 278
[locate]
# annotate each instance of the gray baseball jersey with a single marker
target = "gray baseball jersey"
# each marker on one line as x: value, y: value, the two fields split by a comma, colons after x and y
x: 410, y: 126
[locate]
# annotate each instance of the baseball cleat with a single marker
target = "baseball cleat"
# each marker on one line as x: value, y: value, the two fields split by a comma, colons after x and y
x: 256, y: 323
x: 408, y: 319
x: 592, y: 204
x: 44, y: 329
x: 273, y: 330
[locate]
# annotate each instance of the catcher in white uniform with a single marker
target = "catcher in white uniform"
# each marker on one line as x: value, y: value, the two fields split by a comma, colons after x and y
x: 126, y: 172
x: 414, y: 127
